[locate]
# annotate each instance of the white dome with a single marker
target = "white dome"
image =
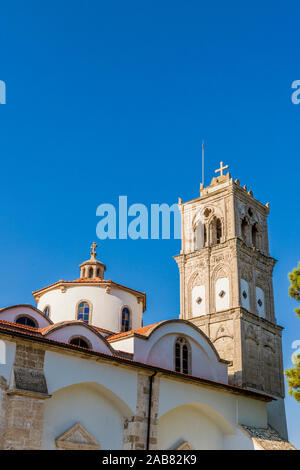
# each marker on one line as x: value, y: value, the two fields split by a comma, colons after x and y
x: 92, y: 299
x: 104, y: 298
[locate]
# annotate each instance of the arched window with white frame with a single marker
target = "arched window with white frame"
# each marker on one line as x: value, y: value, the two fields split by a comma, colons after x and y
x: 182, y: 356
x: 83, y: 311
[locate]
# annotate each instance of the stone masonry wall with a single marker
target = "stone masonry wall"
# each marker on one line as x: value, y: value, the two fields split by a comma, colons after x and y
x: 135, y: 427
x: 22, y: 404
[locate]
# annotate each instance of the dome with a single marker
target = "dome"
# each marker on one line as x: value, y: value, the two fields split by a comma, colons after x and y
x: 93, y: 299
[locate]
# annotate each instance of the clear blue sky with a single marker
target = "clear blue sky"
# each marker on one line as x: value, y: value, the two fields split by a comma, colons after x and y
x: 113, y: 98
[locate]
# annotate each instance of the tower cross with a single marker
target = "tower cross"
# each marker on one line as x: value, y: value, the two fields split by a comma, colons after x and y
x: 221, y: 169
x: 93, y: 248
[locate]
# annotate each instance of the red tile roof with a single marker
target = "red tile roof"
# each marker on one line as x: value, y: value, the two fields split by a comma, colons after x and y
x: 143, y: 331
x: 91, y: 279
x: 36, y: 334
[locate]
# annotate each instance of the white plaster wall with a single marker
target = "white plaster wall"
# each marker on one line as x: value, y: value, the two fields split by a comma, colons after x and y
x: 226, y: 409
x: 222, y: 303
x: 62, y: 370
x: 245, y: 301
x: 158, y: 350
x: 238, y: 441
x: 2, y: 352
x: 9, y: 357
x: 126, y: 345
x: 188, y: 423
x: 12, y: 313
x: 260, y: 295
x: 252, y: 412
x: 84, y: 403
x: 106, y: 307
x: 65, y: 333
x: 198, y: 309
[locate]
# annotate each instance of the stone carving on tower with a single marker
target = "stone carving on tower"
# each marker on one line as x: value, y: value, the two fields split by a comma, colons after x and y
x: 226, y: 285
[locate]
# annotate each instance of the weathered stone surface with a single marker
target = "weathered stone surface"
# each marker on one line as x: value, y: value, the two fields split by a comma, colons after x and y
x: 240, y: 335
x: 32, y: 380
x: 135, y: 427
x: 22, y: 404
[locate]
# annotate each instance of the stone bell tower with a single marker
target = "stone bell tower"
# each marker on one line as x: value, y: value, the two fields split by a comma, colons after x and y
x: 226, y: 286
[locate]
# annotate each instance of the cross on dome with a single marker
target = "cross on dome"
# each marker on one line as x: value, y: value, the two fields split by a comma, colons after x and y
x: 221, y: 169
x: 93, y: 248
x: 92, y: 268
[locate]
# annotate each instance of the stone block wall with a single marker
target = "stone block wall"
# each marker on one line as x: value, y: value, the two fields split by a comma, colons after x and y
x: 136, y: 427
x: 22, y: 400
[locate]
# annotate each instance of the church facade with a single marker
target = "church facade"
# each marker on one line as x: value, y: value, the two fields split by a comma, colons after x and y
x: 80, y: 371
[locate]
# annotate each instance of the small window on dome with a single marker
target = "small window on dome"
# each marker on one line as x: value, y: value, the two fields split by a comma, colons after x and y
x: 26, y: 321
x: 125, y: 321
x: 78, y: 341
x: 83, y: 312
x: 47, y: 311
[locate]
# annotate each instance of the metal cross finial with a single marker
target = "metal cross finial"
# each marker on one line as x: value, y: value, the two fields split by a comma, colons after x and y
x: 93, y: 248
x: 221, y: 169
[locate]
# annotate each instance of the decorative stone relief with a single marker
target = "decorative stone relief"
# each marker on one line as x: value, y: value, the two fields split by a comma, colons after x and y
x: 185, y: 446
x: 260, y: 302
x: 77, y: 438
x: 198, y: 301
x: 245, y: 295
x: 222, y: 293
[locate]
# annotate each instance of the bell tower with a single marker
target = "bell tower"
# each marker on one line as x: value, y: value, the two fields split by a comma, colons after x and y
x: 226, y: 286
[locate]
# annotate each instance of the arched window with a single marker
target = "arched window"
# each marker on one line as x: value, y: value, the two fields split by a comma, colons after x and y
x: 244, y: 228
x: 125, y: 320
x: 78, y: 341
x: 200, y: 236
x: 254, y: 236
x: 83, y: 312
x: 182, y: 356
x: 27, y: 321
x: 215, y: 231
x: 91, y: 272
x: 47, y: 311
x: 218, y: 230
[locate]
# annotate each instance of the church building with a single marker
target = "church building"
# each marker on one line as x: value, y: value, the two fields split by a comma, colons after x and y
x: 79, y: 370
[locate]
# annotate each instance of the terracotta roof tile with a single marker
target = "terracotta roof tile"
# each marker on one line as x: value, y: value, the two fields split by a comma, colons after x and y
x: 138, y: 331
x: 90, y: 279
x: 43, y: 331
x: 103, y: 330
x: 37, y: 334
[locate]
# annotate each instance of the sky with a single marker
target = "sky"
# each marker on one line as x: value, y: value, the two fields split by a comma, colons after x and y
x: 114, y: 98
